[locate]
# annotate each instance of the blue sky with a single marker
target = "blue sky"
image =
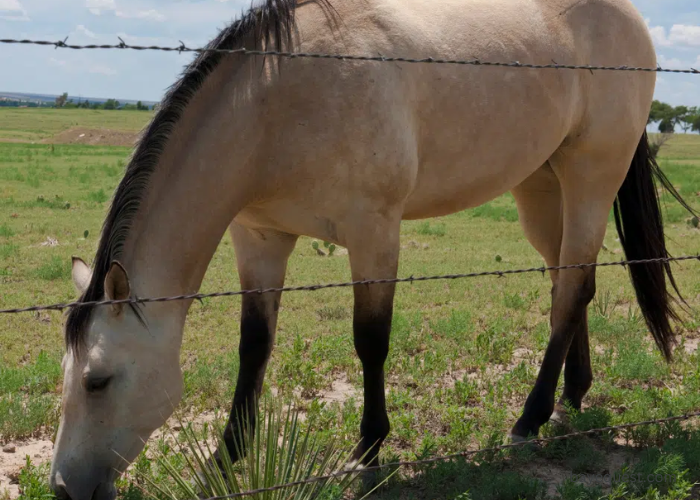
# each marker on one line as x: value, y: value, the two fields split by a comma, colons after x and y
x: 674, y: 24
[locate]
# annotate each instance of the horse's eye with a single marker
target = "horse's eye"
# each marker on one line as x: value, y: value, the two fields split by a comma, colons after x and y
x: 96, y: 384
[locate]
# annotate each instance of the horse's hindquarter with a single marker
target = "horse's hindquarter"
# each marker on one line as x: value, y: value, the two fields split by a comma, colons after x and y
x: 439, y: 138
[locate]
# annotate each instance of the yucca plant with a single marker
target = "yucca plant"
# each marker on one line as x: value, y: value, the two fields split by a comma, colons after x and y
x: 278, y: 453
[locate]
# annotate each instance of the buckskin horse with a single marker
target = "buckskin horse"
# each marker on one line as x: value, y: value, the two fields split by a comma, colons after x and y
x: 273, y: 148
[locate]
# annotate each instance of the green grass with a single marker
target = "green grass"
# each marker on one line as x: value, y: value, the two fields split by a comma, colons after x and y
x: 37, y: 124
x: 464, y: 353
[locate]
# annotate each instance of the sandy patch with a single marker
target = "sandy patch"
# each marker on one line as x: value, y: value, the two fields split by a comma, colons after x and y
x: 39, y: 450
x: 94, y: 137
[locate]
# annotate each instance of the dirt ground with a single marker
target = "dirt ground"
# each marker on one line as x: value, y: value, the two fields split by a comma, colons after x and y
x: 13, y: 456
x: 94, y: 137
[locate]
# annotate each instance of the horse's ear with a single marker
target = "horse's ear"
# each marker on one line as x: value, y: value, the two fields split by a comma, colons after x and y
x: 117, y: 285
x: 81, y: 274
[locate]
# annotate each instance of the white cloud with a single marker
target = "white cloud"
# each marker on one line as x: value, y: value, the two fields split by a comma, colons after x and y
x: 679, y: 34
x: 671, y: 63
x: 101, y: 69
x: 98, y: 7
x: 11, y: 10
x: 57, y: 62
x: 11, y: 5
x: 84, y: 31
x: 151, y: 14
x: 658, y: 35
x: 683, y: 34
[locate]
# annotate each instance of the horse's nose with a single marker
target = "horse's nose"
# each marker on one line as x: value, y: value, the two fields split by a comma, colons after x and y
x: 58, y: 485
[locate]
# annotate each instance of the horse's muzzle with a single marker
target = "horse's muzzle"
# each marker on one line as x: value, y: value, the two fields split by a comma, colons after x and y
x: 86, y: 490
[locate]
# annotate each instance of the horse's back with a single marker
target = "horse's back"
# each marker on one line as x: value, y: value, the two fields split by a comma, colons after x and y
x: 438, y: 138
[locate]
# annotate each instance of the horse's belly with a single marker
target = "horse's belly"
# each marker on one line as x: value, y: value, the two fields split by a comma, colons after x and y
x: 463, y: 187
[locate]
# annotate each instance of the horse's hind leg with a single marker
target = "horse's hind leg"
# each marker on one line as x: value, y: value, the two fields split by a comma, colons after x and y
x: 589, y: 183
x: 539, y: 203
x: 373, y: 247
x: 261, y: 257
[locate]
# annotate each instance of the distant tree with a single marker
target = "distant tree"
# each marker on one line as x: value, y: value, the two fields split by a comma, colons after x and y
x: 667, y: 126
x: 659, y: 111
x: 687, y: 119
x: 696, y: 123
x: 678, y: 115
x: 110, y: 104
x: 61, y: 100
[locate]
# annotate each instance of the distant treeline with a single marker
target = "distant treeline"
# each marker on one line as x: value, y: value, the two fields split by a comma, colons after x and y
x: 6, y: 103
x: 62, y: 101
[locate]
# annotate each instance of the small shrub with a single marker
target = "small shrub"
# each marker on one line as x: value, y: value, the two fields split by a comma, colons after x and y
x: 279, y: 454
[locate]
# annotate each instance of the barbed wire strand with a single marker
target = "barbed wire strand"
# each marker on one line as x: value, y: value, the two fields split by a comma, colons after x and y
x: 463, y: 454
x: 311, y: 288
x: 61, y: 44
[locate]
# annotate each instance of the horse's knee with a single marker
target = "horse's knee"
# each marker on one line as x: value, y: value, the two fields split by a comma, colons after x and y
x: 257, y: 337
x: 371, y: 336
x: 587, y: 288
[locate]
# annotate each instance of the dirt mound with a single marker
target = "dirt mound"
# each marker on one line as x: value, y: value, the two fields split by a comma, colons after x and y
x: 94, y: 137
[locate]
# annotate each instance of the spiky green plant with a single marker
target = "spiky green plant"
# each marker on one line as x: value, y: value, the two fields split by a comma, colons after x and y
x: 278, y: 453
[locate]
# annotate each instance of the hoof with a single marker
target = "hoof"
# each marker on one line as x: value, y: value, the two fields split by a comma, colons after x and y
x: 528, y: 443
x: 368, y: 480
x: 559, y: 416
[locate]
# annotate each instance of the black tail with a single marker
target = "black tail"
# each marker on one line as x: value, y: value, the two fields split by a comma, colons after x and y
x: 640, y: 226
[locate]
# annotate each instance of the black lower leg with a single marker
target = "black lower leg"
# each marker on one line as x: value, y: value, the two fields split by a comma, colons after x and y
x: 568, y: 319
x: 257, y: 338
x: 578, y: 375
x: 371, y: 332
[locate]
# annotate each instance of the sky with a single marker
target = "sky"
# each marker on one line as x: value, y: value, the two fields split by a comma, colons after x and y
x: 674, y: 26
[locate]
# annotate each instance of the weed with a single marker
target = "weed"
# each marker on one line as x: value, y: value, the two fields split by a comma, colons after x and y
x: 602, y: 302
x: 57, y: 268
x: 98, y: 196
x: 427, y: 229
x: 8, y: 250
x: 32, y: 481
x: 333, y: 313
x: 6, y: 231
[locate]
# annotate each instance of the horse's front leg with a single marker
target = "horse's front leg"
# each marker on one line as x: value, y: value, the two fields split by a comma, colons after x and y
x: 374, y: 254
x: 262, y: 262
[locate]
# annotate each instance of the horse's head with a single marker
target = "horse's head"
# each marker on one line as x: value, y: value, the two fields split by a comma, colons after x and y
x: 119, y: 386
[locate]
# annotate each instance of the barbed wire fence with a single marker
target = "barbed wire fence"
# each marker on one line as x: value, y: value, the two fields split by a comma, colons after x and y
x: 322, y: 286
x: 183, y: 48
x: 122, y: 45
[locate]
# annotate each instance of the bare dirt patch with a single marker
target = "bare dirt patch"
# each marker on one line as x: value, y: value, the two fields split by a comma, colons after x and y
x: 39, y: 450
x: 94, y: 137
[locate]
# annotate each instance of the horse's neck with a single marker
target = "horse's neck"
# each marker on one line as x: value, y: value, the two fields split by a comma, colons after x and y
x: 197, y: 188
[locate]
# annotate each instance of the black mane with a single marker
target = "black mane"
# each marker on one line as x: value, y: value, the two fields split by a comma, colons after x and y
x: 272, y: 20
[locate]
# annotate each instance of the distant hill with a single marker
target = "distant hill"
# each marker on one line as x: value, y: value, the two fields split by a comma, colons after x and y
x: 52, y: 98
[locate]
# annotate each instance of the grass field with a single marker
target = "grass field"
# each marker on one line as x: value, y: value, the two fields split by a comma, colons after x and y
x: 464, y: 353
